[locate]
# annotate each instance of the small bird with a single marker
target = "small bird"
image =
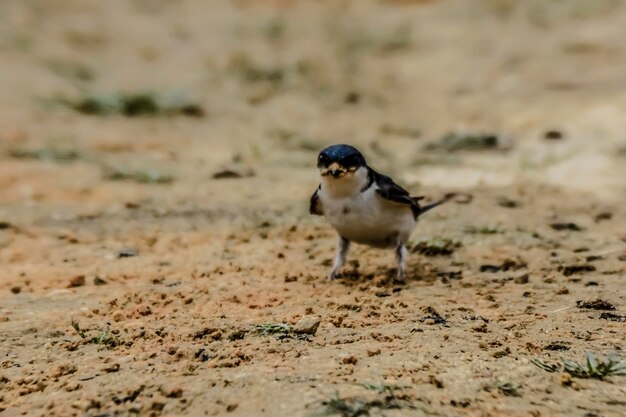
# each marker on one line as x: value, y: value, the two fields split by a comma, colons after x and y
x: 364, y: 206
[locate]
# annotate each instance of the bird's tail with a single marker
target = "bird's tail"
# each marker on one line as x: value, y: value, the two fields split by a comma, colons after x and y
x: 424, y: 209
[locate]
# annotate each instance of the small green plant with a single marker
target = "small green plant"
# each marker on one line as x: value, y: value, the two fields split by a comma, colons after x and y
x: 358, y: 37
x: 79, y: 331
x: 548, y: 367
x: 400, y: 38
x: 590, y: 368
x: 509, y: 388
x: 149, y: 176
x: 485, y: 230
x: 52, y: 153
x: 103, y: 338
x: 252, y: 72
x: 280, y: 331
x: 274, y: 29
x: 272, y: 328
x: 71, y: 70
x: 455, y: 142
x: 385, y: 399
x: 133, y: 105
x: 382, y: 387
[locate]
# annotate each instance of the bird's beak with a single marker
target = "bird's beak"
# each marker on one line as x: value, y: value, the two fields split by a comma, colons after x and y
x: 335, y: 170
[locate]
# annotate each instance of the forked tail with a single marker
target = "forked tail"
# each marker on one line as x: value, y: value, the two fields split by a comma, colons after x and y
x: 424, y: 209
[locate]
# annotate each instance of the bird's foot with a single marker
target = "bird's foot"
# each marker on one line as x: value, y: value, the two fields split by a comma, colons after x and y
x: 333, y: 275
x: 399, y: 279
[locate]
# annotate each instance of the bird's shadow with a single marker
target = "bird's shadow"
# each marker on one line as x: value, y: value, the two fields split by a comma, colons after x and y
x: 386, y: 276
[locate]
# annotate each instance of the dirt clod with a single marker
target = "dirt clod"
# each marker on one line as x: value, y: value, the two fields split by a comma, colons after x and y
x: 597, y: 304
x: 373, y: 352
x: 613, y: 317
x: 77, y: 281
x: 566, y: 226
x: 522, y: 279
x: 349, y: 360
x: 569, y: 270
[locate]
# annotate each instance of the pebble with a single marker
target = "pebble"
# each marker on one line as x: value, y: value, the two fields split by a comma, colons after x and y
x: 99, y: 281
x: 77, y: 281
x: 522, y: 279
x: 307, y: 325
x: 349, y: 359
x: 373, y: 352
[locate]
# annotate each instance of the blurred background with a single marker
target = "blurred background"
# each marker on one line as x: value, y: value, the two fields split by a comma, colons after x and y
x: 188, y: 104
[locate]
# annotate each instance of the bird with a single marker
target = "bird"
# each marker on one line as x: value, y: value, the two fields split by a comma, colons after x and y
x: 364, y: 206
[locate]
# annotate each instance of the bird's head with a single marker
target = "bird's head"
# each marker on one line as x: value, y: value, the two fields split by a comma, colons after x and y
x: 338, y: 161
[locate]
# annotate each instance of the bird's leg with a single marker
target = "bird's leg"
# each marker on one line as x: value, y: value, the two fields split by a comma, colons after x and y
x: 343, y: 245
x: 401, y: 254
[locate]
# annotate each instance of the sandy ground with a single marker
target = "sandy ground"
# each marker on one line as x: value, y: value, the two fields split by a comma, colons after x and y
x: 169, y: 275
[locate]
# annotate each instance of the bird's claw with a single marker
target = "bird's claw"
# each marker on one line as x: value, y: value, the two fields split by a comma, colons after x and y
x: 399, y: 279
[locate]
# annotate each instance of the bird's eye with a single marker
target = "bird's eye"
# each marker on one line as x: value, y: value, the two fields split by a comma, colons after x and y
x: 351, y: 161
x: 322, y: 160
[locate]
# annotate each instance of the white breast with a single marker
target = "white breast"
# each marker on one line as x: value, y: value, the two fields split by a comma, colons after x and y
x: 365, y: 217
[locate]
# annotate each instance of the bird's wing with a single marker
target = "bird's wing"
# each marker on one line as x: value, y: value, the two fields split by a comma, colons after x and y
x: 315, y: 206
x: 391, y: 191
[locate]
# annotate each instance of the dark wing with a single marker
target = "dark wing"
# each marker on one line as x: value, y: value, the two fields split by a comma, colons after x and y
x: 315, y: 206
x: 391, y: 191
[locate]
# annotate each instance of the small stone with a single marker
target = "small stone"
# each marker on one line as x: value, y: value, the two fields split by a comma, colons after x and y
x: 553, y: 134
x: 522, y: 279
x: 373, y: 352
x: 99, y: 281
x: 144, y: 310
x: 73, y: 386
x: 566, y: 380
x: 307, y: 325
x: 502, y: 353
x: 112, y: 367
x: 127, y: 253
x: 231, y: 407
x: 508, y: 203
x: 16, y: 289
x: 349, y: 360
x: 481, y: 328
x: 157, y: 405
x: 605, y: 215
x: 77, y: 281
x: 429, y: 322
x: 562, y: 291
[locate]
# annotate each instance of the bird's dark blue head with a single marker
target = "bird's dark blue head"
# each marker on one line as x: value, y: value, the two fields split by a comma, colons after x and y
x: 337, y: 160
